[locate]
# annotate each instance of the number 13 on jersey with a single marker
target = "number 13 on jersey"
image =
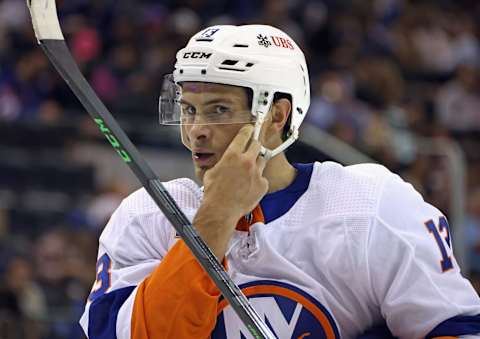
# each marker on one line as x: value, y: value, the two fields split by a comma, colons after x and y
x: 441, y: 234
x: 102, y: 283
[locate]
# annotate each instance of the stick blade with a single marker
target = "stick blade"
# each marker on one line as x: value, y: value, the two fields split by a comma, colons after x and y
x: 45, y: 20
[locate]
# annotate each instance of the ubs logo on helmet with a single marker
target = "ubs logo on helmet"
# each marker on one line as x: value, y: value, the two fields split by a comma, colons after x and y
x: 263, y: 40
x: 286, y: 309
x: 266, y: 41
x: 282, y: 42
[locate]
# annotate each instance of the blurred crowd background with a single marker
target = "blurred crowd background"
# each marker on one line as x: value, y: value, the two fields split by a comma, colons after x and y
x: 383, y: 72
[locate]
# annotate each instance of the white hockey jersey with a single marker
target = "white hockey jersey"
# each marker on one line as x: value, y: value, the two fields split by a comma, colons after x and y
x: 345, y: 249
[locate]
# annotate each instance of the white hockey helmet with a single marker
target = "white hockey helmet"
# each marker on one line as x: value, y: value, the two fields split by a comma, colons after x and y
x: 259, y: 57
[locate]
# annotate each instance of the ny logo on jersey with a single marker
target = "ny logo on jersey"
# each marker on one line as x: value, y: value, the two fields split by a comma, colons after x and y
x: 287, y: 310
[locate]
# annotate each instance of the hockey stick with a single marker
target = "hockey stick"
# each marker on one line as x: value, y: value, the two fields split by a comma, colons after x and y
x: 49, y: 35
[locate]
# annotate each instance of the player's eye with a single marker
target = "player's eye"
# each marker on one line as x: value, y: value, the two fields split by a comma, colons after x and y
x: 221, y: 109
x: 188, y: 109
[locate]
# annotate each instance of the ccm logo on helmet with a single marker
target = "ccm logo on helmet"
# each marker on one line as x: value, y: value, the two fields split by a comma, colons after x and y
x: 196, y: 55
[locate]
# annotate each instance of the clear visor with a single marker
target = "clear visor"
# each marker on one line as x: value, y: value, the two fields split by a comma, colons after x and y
x: 202, y: 103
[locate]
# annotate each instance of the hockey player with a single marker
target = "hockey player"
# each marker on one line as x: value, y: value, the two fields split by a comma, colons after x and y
x: 320, y: 250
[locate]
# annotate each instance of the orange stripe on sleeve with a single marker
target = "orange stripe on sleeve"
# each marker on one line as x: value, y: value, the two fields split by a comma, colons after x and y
x: 178, y: 300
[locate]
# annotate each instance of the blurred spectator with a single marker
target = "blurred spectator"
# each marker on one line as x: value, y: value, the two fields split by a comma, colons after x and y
x: 185, y: 22
x: 19, y: 279
x: 335, y: 108
x: 277, y: 13
x: 432, y: 43
x: 11, y: 321
x: 10, y: 106
x: 458, y: 101
x: 58, y: 263
x: 13, y: 15
x: 102, y: 206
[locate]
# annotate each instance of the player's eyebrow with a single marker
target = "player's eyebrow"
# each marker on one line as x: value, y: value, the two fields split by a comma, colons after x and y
x: 210, y: 102
x: 183, y: 101
x: 217, y: 101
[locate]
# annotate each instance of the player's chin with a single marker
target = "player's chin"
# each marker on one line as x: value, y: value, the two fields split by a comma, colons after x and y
x: 200, y: 172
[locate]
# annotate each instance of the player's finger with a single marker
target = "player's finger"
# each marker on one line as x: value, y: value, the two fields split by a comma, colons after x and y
x: 253, y: 149
x: 261, y: 162
x: 240, y: 142
x: 262, y: 158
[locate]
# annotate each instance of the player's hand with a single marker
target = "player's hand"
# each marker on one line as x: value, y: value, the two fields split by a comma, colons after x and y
x: 232, y: 189
x: 236, y: 182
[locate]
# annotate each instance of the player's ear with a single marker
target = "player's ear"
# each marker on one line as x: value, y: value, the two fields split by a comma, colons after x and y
x: 277, y: 118
x: 281, y: 110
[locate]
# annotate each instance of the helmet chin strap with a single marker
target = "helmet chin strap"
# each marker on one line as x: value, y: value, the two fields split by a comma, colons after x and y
x: 268, y: 153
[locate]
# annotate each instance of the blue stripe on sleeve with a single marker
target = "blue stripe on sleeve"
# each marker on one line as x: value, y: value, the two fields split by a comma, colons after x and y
x: 102, y: 317
x: 456, y: 326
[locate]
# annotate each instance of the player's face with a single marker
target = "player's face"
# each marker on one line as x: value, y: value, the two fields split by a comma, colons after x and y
x: 212, y: 109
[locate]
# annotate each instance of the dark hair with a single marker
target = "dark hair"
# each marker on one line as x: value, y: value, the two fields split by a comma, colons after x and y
x: 277, y: 96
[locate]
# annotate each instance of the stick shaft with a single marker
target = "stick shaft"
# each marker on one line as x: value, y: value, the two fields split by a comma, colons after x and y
x: 61, y: 58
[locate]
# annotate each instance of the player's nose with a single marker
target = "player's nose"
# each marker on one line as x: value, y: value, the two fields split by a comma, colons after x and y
x: 199, y: 131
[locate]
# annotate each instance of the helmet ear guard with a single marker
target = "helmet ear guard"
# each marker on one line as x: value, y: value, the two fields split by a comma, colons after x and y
x: 291, y: 134
x: 259, y: 57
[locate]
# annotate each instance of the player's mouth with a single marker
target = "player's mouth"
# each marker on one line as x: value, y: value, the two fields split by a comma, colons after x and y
x: 203, y: 159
